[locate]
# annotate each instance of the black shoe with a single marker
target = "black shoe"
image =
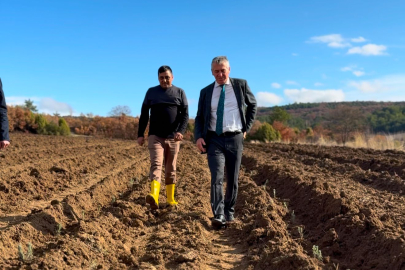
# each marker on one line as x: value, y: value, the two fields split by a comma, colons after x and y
x: 229, y: 217
x: 218, y: 221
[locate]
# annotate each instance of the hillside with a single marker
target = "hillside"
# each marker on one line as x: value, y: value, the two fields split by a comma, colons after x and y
x: 305, y: 115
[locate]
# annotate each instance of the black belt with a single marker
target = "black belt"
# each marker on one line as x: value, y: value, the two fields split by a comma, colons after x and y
x: 226, y: 134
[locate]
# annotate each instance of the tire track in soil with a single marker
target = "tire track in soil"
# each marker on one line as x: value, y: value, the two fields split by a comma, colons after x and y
x: 355, y: 225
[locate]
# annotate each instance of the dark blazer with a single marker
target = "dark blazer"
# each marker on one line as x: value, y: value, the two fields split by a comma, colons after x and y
x: 4, y: 136
x: 246, y: 102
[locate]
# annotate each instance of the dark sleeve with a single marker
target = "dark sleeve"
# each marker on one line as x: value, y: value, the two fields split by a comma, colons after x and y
x: 251, y: 108
x: 4, y: 136
x: 199, y: 118
x: 144, y: 118
x: 183, y: 114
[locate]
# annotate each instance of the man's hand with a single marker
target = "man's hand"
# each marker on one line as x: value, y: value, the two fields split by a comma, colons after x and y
x: 4, y: 144
x: 178, y: 136
x: 141, y: 140
x: 244, y: 135
x: 200, y: 142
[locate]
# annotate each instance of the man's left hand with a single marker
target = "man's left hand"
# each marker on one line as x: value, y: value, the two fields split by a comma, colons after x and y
x: 178, y: 136
x: 244, y: 135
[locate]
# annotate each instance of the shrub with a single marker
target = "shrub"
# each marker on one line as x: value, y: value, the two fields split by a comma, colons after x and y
x: 267, y: 133
x: 64, y: 129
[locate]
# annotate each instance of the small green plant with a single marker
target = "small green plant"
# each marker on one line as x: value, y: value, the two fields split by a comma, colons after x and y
x: 58, y: 229
x: 301, y: 231
x: 21, y: 256
x: 30, y: 252
x: 317, y: 253
x: 131, y: 182
x: 285, y: 206
x: 83, y: 214
x: 25, y: 257
x: 113, y: 199
x: 274, y: 193
x: 293, y: 217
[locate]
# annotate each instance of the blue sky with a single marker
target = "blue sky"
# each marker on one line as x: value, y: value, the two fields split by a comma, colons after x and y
x: 88, y: 56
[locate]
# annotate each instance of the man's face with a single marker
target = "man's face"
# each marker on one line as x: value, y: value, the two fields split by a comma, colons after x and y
x: 165, y: 79
x: 220, y: 72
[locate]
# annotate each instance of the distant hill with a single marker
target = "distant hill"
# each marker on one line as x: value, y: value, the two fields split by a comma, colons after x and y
x: 379, y: 116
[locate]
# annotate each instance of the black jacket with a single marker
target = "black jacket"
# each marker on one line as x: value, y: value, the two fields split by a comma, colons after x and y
x: 4, y: 136
x: 246, y: 103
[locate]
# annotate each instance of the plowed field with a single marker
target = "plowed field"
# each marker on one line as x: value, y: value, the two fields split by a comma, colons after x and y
x: 80, y: 203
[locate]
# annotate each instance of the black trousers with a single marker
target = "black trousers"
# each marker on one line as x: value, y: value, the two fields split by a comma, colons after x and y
x: 224, y: 151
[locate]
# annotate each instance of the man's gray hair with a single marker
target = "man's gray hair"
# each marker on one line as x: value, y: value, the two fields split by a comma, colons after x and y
x: 220, y: 60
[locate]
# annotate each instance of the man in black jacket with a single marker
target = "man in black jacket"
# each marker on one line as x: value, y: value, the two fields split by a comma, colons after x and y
x: 4, y: 136
x: 226, y: 110
x: 168, y: 121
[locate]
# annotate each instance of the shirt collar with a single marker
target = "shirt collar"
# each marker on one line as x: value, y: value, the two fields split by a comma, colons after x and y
x: 228, y: 81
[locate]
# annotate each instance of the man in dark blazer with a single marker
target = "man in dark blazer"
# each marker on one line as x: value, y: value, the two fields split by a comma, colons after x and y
x: 226, y: 111
x: 4, y: 136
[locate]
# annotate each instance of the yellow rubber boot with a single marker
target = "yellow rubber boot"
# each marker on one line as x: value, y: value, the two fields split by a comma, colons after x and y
x: 153, y: 197
x: 170, y: 194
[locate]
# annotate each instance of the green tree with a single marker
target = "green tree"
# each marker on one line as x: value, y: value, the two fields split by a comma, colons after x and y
x: 41, y: 122
x: 279, y: 114
x: 29, y: 104
x: 64, y: 129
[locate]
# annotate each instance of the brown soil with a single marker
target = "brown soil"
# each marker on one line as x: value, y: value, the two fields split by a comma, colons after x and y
x: 80, y: 202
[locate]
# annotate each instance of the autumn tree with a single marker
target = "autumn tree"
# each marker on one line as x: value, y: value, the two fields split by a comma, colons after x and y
x: 344, y: 120
x: 120, y: 111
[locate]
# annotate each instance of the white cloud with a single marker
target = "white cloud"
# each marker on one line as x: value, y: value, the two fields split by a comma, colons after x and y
x: 13, y: 101
x: 333, y: 40
x: 291, y: 83
x: 350, y: 68
x: 358, y: 73
x: 369, y: 49
x: 294, y: 54
x: 275, y: 85
x: 368, y: 86
x: 304, y: 95
x: 387, y: 84
x: 358, y: 40
x: 50, y: 106
x: 44, y: 105
x: 318, y: 84
x: 267, y: 99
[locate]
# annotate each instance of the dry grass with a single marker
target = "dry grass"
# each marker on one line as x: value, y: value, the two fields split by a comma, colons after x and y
x: 378, y: 142
x: 374, y: 141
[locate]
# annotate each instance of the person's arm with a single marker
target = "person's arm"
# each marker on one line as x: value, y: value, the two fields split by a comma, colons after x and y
x: 183, y: 114
x: 199, y: 123
x: 251, y: 108
x: 4, y: 135
x: 143, y: 120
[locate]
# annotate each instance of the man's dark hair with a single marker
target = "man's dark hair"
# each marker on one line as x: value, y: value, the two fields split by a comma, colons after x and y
x: 164, y: 69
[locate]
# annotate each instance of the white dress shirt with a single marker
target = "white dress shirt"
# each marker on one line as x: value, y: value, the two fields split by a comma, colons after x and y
x: 232, y: 121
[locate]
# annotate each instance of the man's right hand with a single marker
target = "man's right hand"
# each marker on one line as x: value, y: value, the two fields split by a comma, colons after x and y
x: 200, y: 142
x: 4, y: 144
x: 141, y: 140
